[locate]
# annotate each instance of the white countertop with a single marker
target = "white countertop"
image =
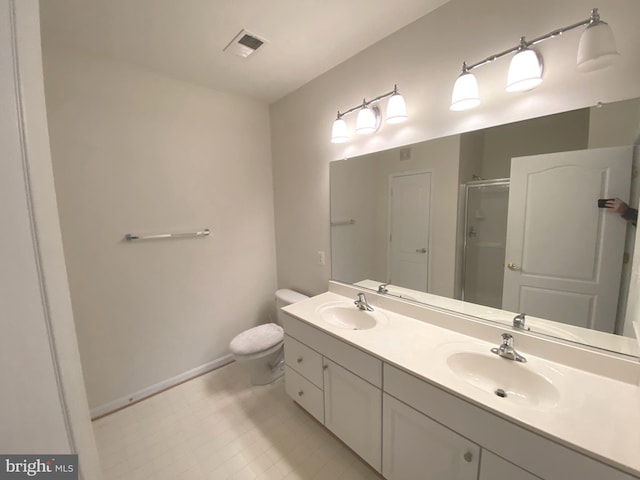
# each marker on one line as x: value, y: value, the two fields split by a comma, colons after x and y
x: 596, y: 415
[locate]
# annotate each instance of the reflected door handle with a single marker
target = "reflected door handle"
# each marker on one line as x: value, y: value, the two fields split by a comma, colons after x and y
x: 513, y: 266
x: 421, y: 250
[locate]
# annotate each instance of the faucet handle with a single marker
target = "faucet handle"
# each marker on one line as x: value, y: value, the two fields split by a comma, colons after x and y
x: 519, y: 320
x: 507, y: 339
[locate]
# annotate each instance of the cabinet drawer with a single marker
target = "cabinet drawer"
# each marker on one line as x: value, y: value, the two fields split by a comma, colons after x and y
x: 305, y: 393
x: 303, y: 360
x: 358, y: 361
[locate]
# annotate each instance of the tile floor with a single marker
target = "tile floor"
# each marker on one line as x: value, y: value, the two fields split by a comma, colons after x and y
x: 218, y: 427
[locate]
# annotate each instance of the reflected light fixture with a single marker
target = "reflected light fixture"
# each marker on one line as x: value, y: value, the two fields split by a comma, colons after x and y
x: 369, y: 118
x: 396, y: 108
x: 596, y: 50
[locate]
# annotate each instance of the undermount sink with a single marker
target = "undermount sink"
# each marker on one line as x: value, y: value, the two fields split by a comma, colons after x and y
x: 350, y: 317
x: 513, y: 381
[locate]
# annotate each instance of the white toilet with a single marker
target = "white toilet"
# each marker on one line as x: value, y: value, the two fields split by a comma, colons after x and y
x: 262, y: 347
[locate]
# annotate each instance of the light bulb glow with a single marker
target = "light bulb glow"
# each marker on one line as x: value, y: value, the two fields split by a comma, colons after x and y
x: 465, y: 93
x: 396, y: 109
x: 366, y: 122
x: 339, y: 131
x: 525, y: 71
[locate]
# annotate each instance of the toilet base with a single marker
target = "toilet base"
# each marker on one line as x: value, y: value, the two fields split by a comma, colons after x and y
x: 261, y: 371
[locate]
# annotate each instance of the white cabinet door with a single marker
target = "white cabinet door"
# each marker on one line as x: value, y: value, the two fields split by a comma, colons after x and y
x: 493, y: 467
x: 414, y: 446
x: 353, y: 411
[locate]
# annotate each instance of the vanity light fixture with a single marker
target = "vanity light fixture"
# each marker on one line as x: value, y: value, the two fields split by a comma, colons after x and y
x: 369, y: 118
x: 339, y: 131
x: 465, y: 91
x: 596, y: 50
x: 525, y: 70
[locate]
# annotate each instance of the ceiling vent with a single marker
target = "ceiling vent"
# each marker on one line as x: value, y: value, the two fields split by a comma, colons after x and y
x: 244, y: 44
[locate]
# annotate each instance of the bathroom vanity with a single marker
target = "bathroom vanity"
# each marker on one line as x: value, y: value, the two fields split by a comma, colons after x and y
x: 417, y: 393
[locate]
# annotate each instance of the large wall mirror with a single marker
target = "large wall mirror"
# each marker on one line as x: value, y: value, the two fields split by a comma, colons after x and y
x: 500, y: 221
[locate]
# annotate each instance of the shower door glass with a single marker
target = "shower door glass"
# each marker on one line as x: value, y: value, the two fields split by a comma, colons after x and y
x: 485, y: 233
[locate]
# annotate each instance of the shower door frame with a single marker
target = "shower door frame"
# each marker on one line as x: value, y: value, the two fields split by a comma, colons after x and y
x: 473, y: 184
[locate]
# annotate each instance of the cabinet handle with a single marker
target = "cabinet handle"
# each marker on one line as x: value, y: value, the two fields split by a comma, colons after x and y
x: 299, y: 359
x: 468, y: 456
x: 300, y: 393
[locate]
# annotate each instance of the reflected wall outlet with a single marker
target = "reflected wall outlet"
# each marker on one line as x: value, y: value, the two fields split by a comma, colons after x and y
x: 321, y: 259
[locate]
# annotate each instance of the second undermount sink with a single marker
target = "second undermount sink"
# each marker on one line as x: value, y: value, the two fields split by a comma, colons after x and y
x: 348, y: 316
x: 513, y: 381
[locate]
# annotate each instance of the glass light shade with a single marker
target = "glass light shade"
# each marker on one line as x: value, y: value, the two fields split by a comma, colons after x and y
x: 366, y: 122
x: 396, y: 109
x: 597, y: 47
x: 525, y: 71
x: 339, y: 131
x: 465, y: 93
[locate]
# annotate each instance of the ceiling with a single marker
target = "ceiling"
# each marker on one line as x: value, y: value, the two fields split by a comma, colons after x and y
x: 184, y: 39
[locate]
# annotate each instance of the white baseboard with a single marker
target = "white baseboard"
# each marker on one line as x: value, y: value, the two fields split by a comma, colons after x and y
x: 158, y: 387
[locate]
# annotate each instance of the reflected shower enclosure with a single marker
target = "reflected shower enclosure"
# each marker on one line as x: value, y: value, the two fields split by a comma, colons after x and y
x: 485, y: 234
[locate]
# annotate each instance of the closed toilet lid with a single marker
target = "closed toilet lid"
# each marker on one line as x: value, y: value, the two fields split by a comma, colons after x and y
x: 257, y: 339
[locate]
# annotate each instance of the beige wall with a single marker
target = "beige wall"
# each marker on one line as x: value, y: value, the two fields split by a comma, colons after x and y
x: 424, y: 59
x: 612, y: 125
x: 439, y: 157
x: 615, y: 124
x: 135, y: 152
x: 555, y: 133
x: 353, y: 197
x: 360, y: 190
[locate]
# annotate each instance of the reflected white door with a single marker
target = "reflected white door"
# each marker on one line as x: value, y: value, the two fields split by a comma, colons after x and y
x: 409, y: 212
x: 564, y: 255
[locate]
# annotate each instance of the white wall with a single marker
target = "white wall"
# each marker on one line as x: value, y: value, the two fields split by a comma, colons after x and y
x: 136, y: 152
x: 424, y: 59
x: 44, y: 405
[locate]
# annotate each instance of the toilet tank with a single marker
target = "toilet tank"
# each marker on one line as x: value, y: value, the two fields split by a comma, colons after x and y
x: 286, y: 297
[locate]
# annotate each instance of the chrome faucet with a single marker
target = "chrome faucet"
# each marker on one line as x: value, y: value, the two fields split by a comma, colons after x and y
x: 383, y: 288
x: 506, y: 350
x: 362, y: 304
x: 518, y: 321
